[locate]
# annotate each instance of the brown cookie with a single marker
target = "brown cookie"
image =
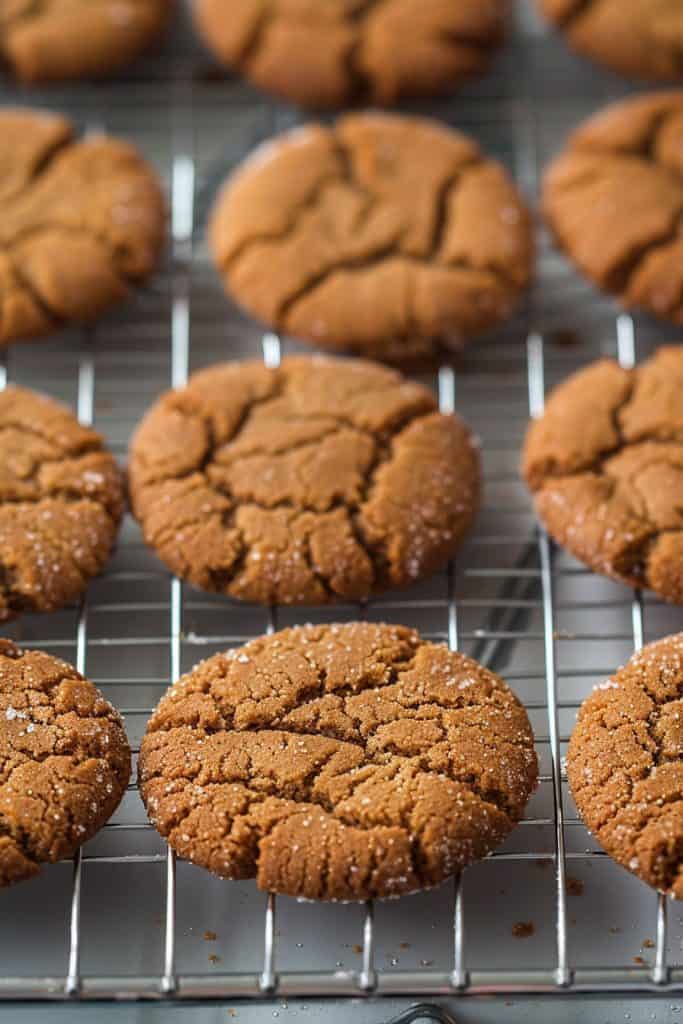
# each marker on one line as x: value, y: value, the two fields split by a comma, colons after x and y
x: 605, y: 463
x: 642, y: 38
x: 320, y: 480
x: 81, y: 221
x: 614, y: 200
x: 61, y: 502
x: 331, y: 54
x: 56, y: 40
x: 338, y: 762
x: 65, y: 761
x: 625, y: 765
x: 387, y: 236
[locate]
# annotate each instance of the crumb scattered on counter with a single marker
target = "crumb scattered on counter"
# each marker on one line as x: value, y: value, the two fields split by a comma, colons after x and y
x: 648, y: 944
x: 523, y: 929
x: 210, y: 936
x: 575, y: 886
x: 213, y: 959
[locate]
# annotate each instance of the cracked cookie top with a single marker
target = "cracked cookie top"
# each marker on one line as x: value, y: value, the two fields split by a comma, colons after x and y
x: 625, y: 765
x: 61, y: 502
x: 605, y: 463
x: 65, y: 761
x: 614, y: 199
x: 56, y: 40
x: 81, y: 220
x: 332, y: 54
x: 388, y: 236
x: 642, y: 38
x: 338, y: 762
x: 320, y: 480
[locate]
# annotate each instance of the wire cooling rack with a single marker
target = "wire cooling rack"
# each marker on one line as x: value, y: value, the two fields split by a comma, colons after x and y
x: 548, y: 913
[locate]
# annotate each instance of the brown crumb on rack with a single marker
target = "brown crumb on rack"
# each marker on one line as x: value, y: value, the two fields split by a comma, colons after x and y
x: 639, y: 960
x: 210, y: 936
x: 523, y: 929
x: 213, y: 959
x: 357, y: 949
x: 575, y: 886
x: 565, y: 337
x: 232, y: 1013
x: 404, y: 945
x: 648, y: 944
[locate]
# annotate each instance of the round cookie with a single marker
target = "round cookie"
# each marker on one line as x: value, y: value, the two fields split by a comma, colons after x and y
x: 57, y: 40
x: 338, y: 762
x: 65, y: 761
x: 324, y: 479
x: 388, y: 236
x: 332, y: 54
x: 605, y: 463
x: 641, y: 38
x: 61, y: 502
x: 81, y: 221
x: 625, y: 765
x: 614, y: 199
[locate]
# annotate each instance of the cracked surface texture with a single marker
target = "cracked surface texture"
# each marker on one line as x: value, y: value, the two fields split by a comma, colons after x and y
x: 61, y: 502
x: 57, y: 40
x: 331, y: 54
x: 80, y: 222
x: 642, y: 38
x: 605, y: 463
x: 614, y: 199
x: 64, y: 761
x: 338, y: 762
x: 625, y: 765
x: 388, y: 236
x: 323, y: 479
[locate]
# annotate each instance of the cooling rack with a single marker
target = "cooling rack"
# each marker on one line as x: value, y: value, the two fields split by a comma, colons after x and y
x: 548, y: 913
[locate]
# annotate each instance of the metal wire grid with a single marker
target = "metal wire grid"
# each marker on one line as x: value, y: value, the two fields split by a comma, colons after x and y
x: 531, y: 582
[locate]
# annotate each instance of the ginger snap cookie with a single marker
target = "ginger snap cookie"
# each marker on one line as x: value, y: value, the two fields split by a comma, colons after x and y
x: 323, y: 479
x: 640, y: 38
x: 625, y: 765
x: 81, y: 222
x: 605, y: 463
x: 65, y: 761
x: 338, y: 762
x: 57, y: 40
x: 61, y: 502
x: 614, y: 199
x: 388, y: 236
x: 332, y: 54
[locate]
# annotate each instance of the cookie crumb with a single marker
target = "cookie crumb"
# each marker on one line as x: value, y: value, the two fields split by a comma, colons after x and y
x: 523, y: 929
x: 575, y: 887
x: 210, y: 936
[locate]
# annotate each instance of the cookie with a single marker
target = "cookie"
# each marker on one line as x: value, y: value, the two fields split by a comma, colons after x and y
x: 625, y: 765
x: 65, y: 761
x: 640, y: 38
x: 332, y: 54
x: 57, y: 40
x: 81, y: 222
x: 388, y: 236
x: 61, y: 502
x: 605, y: 463
x: 338, y: 762
x: 614, y: 200
x: 320, y: 480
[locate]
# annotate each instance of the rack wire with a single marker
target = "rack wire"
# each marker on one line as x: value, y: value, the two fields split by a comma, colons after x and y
x: 512, y: 601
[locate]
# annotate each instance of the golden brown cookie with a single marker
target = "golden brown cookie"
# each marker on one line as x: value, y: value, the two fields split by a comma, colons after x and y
x: 65, y: 761
x: 337, y: 52
x: 61, y: 502
x: 605, y: 463
x: 338, y: 762
x: 614, y: 199
x: 320, y: 480
x: 387, y: 236
x: 56, y: 40
x: 641, y: 38
x: 625, y: 765
x: 81, y: 221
